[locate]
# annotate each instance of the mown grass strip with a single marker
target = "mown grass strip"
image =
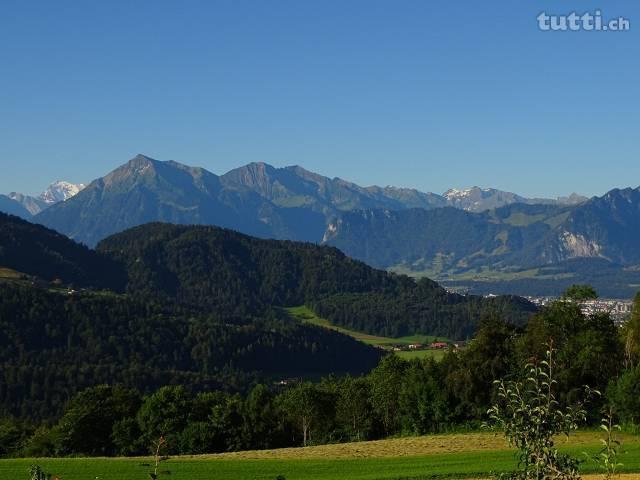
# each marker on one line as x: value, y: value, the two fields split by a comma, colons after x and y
x: 474, y: 464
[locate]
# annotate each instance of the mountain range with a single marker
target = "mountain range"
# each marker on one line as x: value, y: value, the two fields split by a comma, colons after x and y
x: 474, y: 237
x: 58, y: 191
x: 542, y: 243
x: 258, y: 199
x: 478, y: 199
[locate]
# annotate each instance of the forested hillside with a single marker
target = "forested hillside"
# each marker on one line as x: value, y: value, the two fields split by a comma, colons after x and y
x: 54, y: 344
x: 233, y: 274
x: 35, y: 250
x: 198, y: 306
x: 397, y: 398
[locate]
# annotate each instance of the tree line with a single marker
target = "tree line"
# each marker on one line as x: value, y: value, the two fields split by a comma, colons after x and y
x: 54, y: 344
x: 397, y: 397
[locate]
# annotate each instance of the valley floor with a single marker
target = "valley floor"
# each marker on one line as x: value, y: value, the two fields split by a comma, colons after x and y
x: 473, y: 455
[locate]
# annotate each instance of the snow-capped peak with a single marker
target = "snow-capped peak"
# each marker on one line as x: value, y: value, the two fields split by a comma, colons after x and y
x: 60, y: 191
x: 455, y: 193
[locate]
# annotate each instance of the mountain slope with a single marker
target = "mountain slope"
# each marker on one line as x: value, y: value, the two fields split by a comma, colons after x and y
x: 511, y: 242
x: 604, y: 227
x: 443, y: 239
x: 33, y: 204
x: 256, y: 199
x: 215, y: 270
x: 476, y: 199
x: 56, y: 192
x: 296, y: 186
x: 145, y: 190
x: 34, y: 250
x: 11, y: 207
x: 59, y: 191
x: 148, y: 337
x: 71, y: 342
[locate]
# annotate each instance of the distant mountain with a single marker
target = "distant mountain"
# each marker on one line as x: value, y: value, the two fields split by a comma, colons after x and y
x: 146, y: 190
x: 33, y: 204
x: 287, y: 203
x: 295, y: 186
x: 10, y: 206
x: 444, y: 239
x: 573, y: 199
x: 478, y: 199
x: 511, y: 242
x: 604, y: 227
x: 257, y: 199
x: 58, y: 191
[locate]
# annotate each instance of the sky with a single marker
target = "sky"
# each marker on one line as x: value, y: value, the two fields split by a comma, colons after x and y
x: 430, y: 94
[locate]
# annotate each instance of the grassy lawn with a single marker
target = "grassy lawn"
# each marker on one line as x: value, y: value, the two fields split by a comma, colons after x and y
x: 303, y: 314
x: 438, y: 456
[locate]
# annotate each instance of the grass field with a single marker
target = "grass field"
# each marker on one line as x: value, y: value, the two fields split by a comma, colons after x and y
x: 303, y: 314
x: 9, y: 274
x: 410, y: 355
x: 484, y: 275
x: 432, y: 457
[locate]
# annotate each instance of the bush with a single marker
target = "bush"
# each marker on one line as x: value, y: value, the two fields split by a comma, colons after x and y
x: 531, y: 417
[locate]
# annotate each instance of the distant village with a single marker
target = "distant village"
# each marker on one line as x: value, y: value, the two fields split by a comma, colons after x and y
x: 618, y: 309
x: 437, y: 345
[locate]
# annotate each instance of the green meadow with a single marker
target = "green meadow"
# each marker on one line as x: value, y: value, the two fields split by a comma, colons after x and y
x: 305, y: 315
x: 457, y: 456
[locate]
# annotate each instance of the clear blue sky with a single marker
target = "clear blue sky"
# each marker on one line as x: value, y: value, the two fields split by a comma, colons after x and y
x: 420, y: 93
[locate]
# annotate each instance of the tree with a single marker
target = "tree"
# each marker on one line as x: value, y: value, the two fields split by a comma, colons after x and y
x: 353, y: 409
x: 624, y: 394
x: 386, y: 380
x: 13, y: 434
x: 126, y: 437
x: 588, y: 350
x: 216, y: 423
x: 164, y: 414
x: 260, y: 423
x: 304, y: 406
x: 227, y: 422
x: 421, y: 405
x: 489, y: 357
x: 87, y: 425
x: 530, y: 416
x: 631, y: 335
x: 580, y: 293
x: 608, y: 456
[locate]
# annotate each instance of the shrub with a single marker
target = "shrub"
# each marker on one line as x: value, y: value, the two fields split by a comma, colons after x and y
x: 530, y: 416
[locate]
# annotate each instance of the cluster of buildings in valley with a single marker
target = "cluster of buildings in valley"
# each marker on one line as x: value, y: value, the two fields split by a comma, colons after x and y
x: 617, y: 308
x: 437, y: 345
